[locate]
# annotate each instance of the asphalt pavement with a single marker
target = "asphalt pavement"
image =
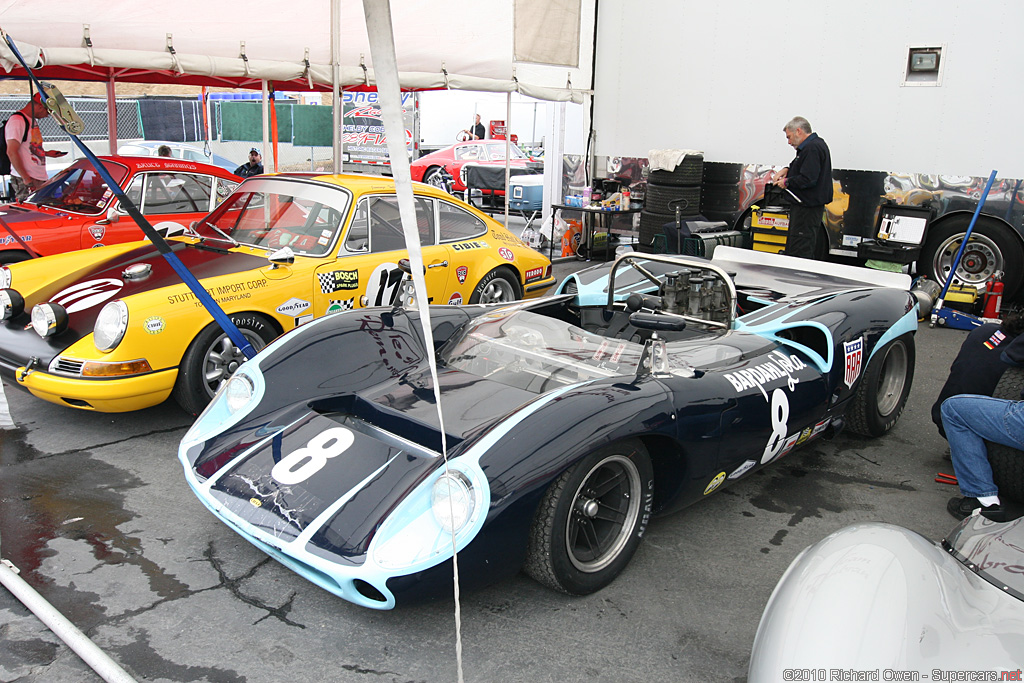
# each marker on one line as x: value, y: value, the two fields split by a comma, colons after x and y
x: 95, y: 512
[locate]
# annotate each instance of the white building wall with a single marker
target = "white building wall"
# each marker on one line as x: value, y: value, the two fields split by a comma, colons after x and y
x: 725, y: 76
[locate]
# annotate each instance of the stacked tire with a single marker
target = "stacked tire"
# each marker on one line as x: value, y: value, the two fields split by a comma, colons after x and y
x: 664, y: 190
x: 721, y: 198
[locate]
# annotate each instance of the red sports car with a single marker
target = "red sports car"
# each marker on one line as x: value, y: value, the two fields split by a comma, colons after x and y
x: 76, y: 209
x: 491, y: 153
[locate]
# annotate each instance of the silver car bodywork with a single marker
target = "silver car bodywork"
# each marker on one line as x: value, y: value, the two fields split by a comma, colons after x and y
x: 880, y: 602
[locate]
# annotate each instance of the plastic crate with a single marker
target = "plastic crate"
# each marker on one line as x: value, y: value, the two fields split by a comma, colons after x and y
x: 704, y: 244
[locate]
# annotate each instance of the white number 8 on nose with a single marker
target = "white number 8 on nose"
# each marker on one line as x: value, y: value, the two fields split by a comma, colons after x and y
x: 303, y: 463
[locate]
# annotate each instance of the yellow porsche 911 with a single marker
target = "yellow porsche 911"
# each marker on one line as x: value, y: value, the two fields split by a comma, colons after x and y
x: 114, y: 329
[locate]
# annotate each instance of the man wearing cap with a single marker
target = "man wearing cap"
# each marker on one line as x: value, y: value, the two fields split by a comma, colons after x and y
x: 25, y: 148
x: 252, y: 167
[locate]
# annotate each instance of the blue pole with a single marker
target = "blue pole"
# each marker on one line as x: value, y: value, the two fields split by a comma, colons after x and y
x: 158, y: 241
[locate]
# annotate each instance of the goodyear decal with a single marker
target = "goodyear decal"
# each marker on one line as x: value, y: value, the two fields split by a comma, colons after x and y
x: 7, y: 239
x: 466, y: 246
x: 292, y: 307
x: 338, y: 280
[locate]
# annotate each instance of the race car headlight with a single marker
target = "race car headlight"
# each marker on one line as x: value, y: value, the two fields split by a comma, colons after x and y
x: 238, y: 393
x: 49, y: 319
x: 6, y: 278
x: 451, y: 501
x: 419, y: 532
x: 110, y: 326
x: 12, y: 304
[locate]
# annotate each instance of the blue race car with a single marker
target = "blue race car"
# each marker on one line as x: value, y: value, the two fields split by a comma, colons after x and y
x: 640, y: 388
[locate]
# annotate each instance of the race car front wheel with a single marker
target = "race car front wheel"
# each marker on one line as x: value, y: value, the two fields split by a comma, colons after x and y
x: 212, y: 358
x: 884, y: 388
x: 591, y: 519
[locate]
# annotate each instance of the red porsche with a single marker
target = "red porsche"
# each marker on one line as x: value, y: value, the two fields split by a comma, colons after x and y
x: 428, y: 169
x: 76, y: 209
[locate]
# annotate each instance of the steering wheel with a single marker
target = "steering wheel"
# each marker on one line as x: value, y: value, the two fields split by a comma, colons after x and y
x: 463, y: 136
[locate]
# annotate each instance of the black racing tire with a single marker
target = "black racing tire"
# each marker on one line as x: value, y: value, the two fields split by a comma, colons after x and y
x: 1008, y: 463
x: 690, y: 171
x: 659, y: 197
x: 500, y: 286
x: 651, y: 225
x: 591, y: 519
x: 722, y: 172
x: 13, y: 256
x: 882, y: 393
x: 212, y: 357
x: 993, y: 246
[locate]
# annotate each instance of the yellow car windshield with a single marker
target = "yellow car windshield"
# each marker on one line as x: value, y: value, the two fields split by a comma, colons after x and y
x: 272, y: 213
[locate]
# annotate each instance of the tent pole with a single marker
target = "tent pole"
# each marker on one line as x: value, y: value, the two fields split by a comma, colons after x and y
x: 265, y: 147
x: 111, y: 114
x: 338, y: 106
x: 508, y: 151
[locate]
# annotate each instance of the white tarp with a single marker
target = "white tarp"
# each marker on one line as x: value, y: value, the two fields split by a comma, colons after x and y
x: 461, y: 44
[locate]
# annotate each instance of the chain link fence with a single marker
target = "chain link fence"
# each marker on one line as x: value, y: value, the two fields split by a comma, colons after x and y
x: 130, y: 128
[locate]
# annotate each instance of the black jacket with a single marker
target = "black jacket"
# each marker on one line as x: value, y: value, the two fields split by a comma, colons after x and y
x: 810, y: 174
x: 247, y: 169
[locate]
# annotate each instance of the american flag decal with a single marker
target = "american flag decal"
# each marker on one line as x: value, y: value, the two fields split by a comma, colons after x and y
x: 854, y: 352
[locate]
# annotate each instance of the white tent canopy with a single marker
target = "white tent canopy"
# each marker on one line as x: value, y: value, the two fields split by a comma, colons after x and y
x: 461, y: 44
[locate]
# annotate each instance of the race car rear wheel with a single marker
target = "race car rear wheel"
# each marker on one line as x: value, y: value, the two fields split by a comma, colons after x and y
x: 1008, y: 463
x: 212, y: 358
x: 883, y: 391
x: 591, y: 519
x: 499, y: 286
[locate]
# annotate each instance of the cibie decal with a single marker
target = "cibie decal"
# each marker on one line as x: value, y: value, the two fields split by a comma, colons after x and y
x: 742, y: 469
x: 154, y: 325
x: 456, y: 300
x: 715, y: 483
x: 507, y: 254
x: 466, y: 246
x: 87, y: 294
x: 854, y: 352
x: 462, y: 272
x: 292, y: 307
x: 97, y: 231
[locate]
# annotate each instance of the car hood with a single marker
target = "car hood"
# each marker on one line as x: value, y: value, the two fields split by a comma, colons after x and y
x: 94, y: 277
x: 22, y: 215
x: 332, y: 470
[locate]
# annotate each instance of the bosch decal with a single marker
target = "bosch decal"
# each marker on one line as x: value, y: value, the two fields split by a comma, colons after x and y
x: 87, y: 294
x: 338, y: 280
x: 854, y: 352
x: 462, y: 272
x: 506, y: 254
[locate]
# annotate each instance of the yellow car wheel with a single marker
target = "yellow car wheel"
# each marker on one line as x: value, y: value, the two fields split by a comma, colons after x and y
x: 499, y: 286
x: 212, y: 358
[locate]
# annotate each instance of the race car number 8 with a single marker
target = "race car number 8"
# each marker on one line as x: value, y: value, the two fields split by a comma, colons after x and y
x: 780, y: 424
x: 303, y: 463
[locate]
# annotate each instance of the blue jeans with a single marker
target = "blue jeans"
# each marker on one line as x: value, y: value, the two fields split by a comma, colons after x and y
x: 970, y: 420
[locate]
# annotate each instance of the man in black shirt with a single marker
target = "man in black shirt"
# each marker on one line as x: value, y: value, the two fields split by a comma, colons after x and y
x: 253, y: 167
x: 476, y: 131
x: 808, y: 181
